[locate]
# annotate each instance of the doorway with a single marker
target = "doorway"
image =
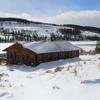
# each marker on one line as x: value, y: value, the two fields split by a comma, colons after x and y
x: 16, y: 58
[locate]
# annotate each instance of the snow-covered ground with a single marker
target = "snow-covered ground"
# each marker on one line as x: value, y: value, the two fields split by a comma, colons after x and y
x: 85, y: 45
x: 87, y: 33
x: 79, y: 79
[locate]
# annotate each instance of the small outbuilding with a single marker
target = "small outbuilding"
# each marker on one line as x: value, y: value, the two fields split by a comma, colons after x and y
x: 33, y: 53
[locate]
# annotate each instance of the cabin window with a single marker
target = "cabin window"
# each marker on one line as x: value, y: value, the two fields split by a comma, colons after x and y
x: 47, y: 57
x: 55, y: 56
x: 65, y: 54
x: 40, y: 58
x: 77, y: 53
x: 72, y: 53
x: 50, y: 56
x: 60, y: 55
x: 31, y: 60
x: 68, y: 54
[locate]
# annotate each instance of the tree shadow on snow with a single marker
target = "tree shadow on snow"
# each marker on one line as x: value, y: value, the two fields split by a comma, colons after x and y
x: 23, y: 68
x: 96, y: 81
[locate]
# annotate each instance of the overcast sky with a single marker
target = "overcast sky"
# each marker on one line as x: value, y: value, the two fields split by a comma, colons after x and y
x: 84, y: 12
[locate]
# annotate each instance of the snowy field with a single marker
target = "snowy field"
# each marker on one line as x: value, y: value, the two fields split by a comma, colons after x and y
x: 69, y: 79
x: 78, y: 79
x: 85, y: 45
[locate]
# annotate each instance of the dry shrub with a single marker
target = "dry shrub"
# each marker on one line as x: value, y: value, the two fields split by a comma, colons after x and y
x: 29, y: 76
x: 2, y: 75
x: 6, y: 80
x: 99, y: 66
x: 75, y: 71
x: 48, y: 71
x: 99, y: 58
x: 92, y: 52
x: 68, y: 68
x: 5, y: 85
x: 84, y: 53
x: 56, y: 87
x: 84, y: 62
x: 58, y: 69
x: 2, y: 85
x: 11, y: 69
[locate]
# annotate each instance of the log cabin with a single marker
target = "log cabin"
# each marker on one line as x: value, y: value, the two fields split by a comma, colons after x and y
x: 33, y: 53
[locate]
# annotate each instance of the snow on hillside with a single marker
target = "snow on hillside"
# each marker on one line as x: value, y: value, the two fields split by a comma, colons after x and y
x: 79, y: 79
x: 35, y: 30
x: 40, y: 29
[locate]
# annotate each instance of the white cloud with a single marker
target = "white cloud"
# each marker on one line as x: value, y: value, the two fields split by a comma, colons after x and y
x: 17, y: 15
x: 91, y: 18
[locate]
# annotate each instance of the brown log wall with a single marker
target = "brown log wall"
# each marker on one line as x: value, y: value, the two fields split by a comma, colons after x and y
x: 57, y: 55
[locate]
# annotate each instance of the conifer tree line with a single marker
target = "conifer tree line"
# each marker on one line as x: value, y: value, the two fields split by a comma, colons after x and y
x: 27, y: 35
x: 23, y: 35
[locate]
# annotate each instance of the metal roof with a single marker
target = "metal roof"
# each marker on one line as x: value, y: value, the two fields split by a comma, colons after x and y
x: 49, y: 46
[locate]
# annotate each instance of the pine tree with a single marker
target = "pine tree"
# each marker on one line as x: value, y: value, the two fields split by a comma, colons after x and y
x: 98, y: 47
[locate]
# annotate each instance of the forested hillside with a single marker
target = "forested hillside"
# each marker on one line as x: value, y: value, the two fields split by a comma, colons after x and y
x: 14, y: 29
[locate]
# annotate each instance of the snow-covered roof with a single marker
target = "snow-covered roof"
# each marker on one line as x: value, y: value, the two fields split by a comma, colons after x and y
x: 49, y: 46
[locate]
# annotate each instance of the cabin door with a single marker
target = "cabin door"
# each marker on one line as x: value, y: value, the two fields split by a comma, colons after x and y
x: 16, y: 58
